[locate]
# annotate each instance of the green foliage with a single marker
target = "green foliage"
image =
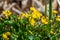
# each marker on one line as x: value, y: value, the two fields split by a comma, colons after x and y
x: 21, y: 29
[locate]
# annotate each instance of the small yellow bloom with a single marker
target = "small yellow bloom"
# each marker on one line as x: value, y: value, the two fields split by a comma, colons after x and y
x: 8, y: 33
x: 55, y: 12
x: 7, y: 13
x: 44, y: 20
x: 23, y: 14
x: 32, y: 9
x: 32, y: 21
x: 51, y: 21
x: 4, y: 36
x: 39, y: 15
x: 34, y: 15
x: 51, y: 32
x: 27, y: 15
x: 58, y: 18
x: 30, y: 32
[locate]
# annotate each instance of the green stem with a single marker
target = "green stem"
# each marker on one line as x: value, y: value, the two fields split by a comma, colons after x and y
x: 45, y: 10
x: 50, y: 11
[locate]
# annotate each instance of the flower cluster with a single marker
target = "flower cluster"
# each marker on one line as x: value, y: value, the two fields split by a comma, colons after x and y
x: 5, y: 35
x: 7, y: 13
x: 32, y: 25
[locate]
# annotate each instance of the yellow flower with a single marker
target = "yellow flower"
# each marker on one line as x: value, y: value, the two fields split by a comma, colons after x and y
x: 54, y: 11
x: 8, y: 33
x: 32, y: 9
x: 39, y: 15
x: 34, y: 15
x: 32, y: 21
x: 51, y: 21
x: 27, y: 15
x: 30, y: 32
x: 23, y: 14
x: 7, y: 13
x: 4, y: 36
x: 44, y: 20
x: 51, y: 32
x: 58, y: 18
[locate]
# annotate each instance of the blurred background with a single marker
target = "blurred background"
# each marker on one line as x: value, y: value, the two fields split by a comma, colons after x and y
x: 24, y: 5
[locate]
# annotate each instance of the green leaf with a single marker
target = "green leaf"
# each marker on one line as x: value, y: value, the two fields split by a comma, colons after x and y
x: 31, y: 37
x: 37, y: 38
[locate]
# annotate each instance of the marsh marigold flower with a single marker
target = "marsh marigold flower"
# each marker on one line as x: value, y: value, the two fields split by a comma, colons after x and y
x: 44, y: 20
x: 27, y: 15
x: 51, y: 32
x: 23, y: 14
x: 32, y: 9
x: 32, y: 21
x: 51, y: 21
x: 54, y: 11
x: 8, y: 33
x: 58, y: 18
x: 36, y: 14
x: 7, y: 13
x: 4, y: 36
